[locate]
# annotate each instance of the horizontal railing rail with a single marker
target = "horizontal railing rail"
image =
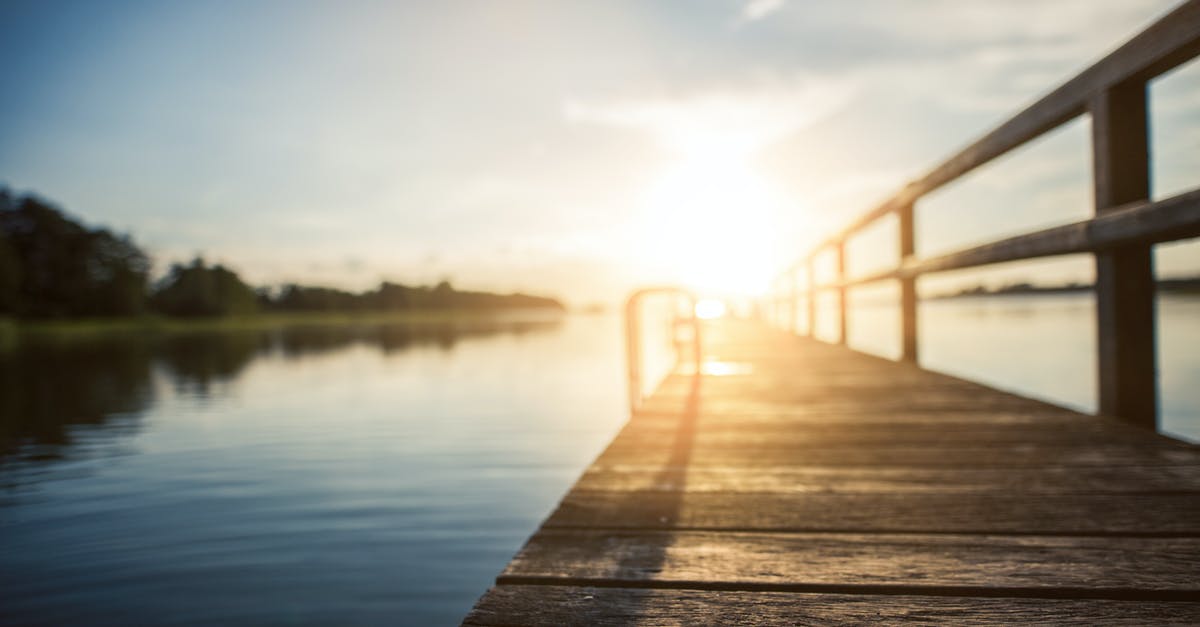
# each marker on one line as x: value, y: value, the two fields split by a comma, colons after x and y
x: 1120, y: 236
x: 1167, y: 220
x: 633, y: 336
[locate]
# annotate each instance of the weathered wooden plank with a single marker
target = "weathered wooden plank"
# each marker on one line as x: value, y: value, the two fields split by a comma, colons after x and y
x: 880, y: 409
x: 1097, y: 564
x: 1014, y: 455
x: 850, y: 415
x: 1080, y: 514
x: 736, y: 432
x: 835, y: 414
x: 880, y: 387
x: 826, y: 479
x: 564, y: 605
x: 757, y: 376
x: 913, y: 398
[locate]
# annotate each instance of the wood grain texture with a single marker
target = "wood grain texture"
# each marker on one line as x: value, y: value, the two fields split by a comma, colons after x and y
x: 1177, y: 514
x: 1013, y: 455
x: 570, y: 605
x: 813, y: 484
x: 730, y: 433
x: 1148, y: 564
x: 868, y: 479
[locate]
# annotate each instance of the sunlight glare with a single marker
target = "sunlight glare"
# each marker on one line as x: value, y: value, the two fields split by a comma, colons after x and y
x: 717, y: 368
x: 709, y: 309
x: 710, y: 217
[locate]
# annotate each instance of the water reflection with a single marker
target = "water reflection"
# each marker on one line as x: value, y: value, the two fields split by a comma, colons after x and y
x: 327, y: 475
x: 46, y: 389
x: 50, y: 384
x: 1037, y: 345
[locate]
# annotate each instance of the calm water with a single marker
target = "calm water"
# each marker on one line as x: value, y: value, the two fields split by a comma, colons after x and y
x: 1042, y: 346
x: 379, y: 476
x: 329, y: 476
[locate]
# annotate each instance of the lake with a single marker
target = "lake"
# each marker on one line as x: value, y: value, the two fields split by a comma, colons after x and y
x: 1042, y: 346
x: 379, y: 474
x: 349, y: 476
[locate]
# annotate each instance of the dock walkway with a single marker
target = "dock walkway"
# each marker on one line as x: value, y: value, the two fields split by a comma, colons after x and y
x: 798, y: 482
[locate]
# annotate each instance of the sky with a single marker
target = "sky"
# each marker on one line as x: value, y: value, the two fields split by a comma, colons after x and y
x: 558, y: 147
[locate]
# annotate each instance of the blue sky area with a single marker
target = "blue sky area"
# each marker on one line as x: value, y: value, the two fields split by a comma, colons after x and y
x: 563, y: 147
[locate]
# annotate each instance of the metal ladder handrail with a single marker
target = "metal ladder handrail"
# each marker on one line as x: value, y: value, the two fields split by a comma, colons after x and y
x: 633, y: 337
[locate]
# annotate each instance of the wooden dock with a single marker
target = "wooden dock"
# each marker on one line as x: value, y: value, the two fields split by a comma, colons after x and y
x: 797, y: 482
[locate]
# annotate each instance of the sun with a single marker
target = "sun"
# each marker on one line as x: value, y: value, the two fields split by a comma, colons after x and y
x: 709, y: 218
x: 709, y: 309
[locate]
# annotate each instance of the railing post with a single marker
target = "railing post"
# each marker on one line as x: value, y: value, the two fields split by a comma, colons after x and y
x: 841, y: 276
x: 1124, y: 276
x: 908, y: 288
x: 811, y: 278
x: 633, y: 352
x: 794, y: 301
x: 768, y: 306
x: 697, y: 340
x: 776, y: 317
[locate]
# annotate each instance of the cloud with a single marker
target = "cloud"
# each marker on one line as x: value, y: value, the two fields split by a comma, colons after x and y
x: 744, y: 118
x: 758, y: 9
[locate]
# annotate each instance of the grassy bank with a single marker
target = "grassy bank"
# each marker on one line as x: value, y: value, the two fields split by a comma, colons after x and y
x: 11, y: 331
x: 8, y: 333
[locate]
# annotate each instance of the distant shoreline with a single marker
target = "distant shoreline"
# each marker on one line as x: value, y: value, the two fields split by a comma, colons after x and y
x: 1188, y: 286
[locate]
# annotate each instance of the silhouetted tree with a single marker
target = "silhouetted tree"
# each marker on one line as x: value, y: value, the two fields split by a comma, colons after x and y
x: 10, y: 264
x: 199, y: 290
x: 391, y: 296
x: 443, y: 295
x: 10, y: 277
x: 120, y: 268
x: 301, y: 298
x: 62, y: 268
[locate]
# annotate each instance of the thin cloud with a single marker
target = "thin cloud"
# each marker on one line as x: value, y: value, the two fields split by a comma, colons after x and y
x: 758, y: 9
x: 746, y: 118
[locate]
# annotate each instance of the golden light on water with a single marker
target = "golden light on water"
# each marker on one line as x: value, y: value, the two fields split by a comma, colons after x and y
x: 717, y: 368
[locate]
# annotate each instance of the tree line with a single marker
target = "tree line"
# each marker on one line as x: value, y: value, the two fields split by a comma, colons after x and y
x: 54, y: 266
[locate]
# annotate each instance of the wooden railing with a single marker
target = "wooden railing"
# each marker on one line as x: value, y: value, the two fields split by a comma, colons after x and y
x: 1120, y: 236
